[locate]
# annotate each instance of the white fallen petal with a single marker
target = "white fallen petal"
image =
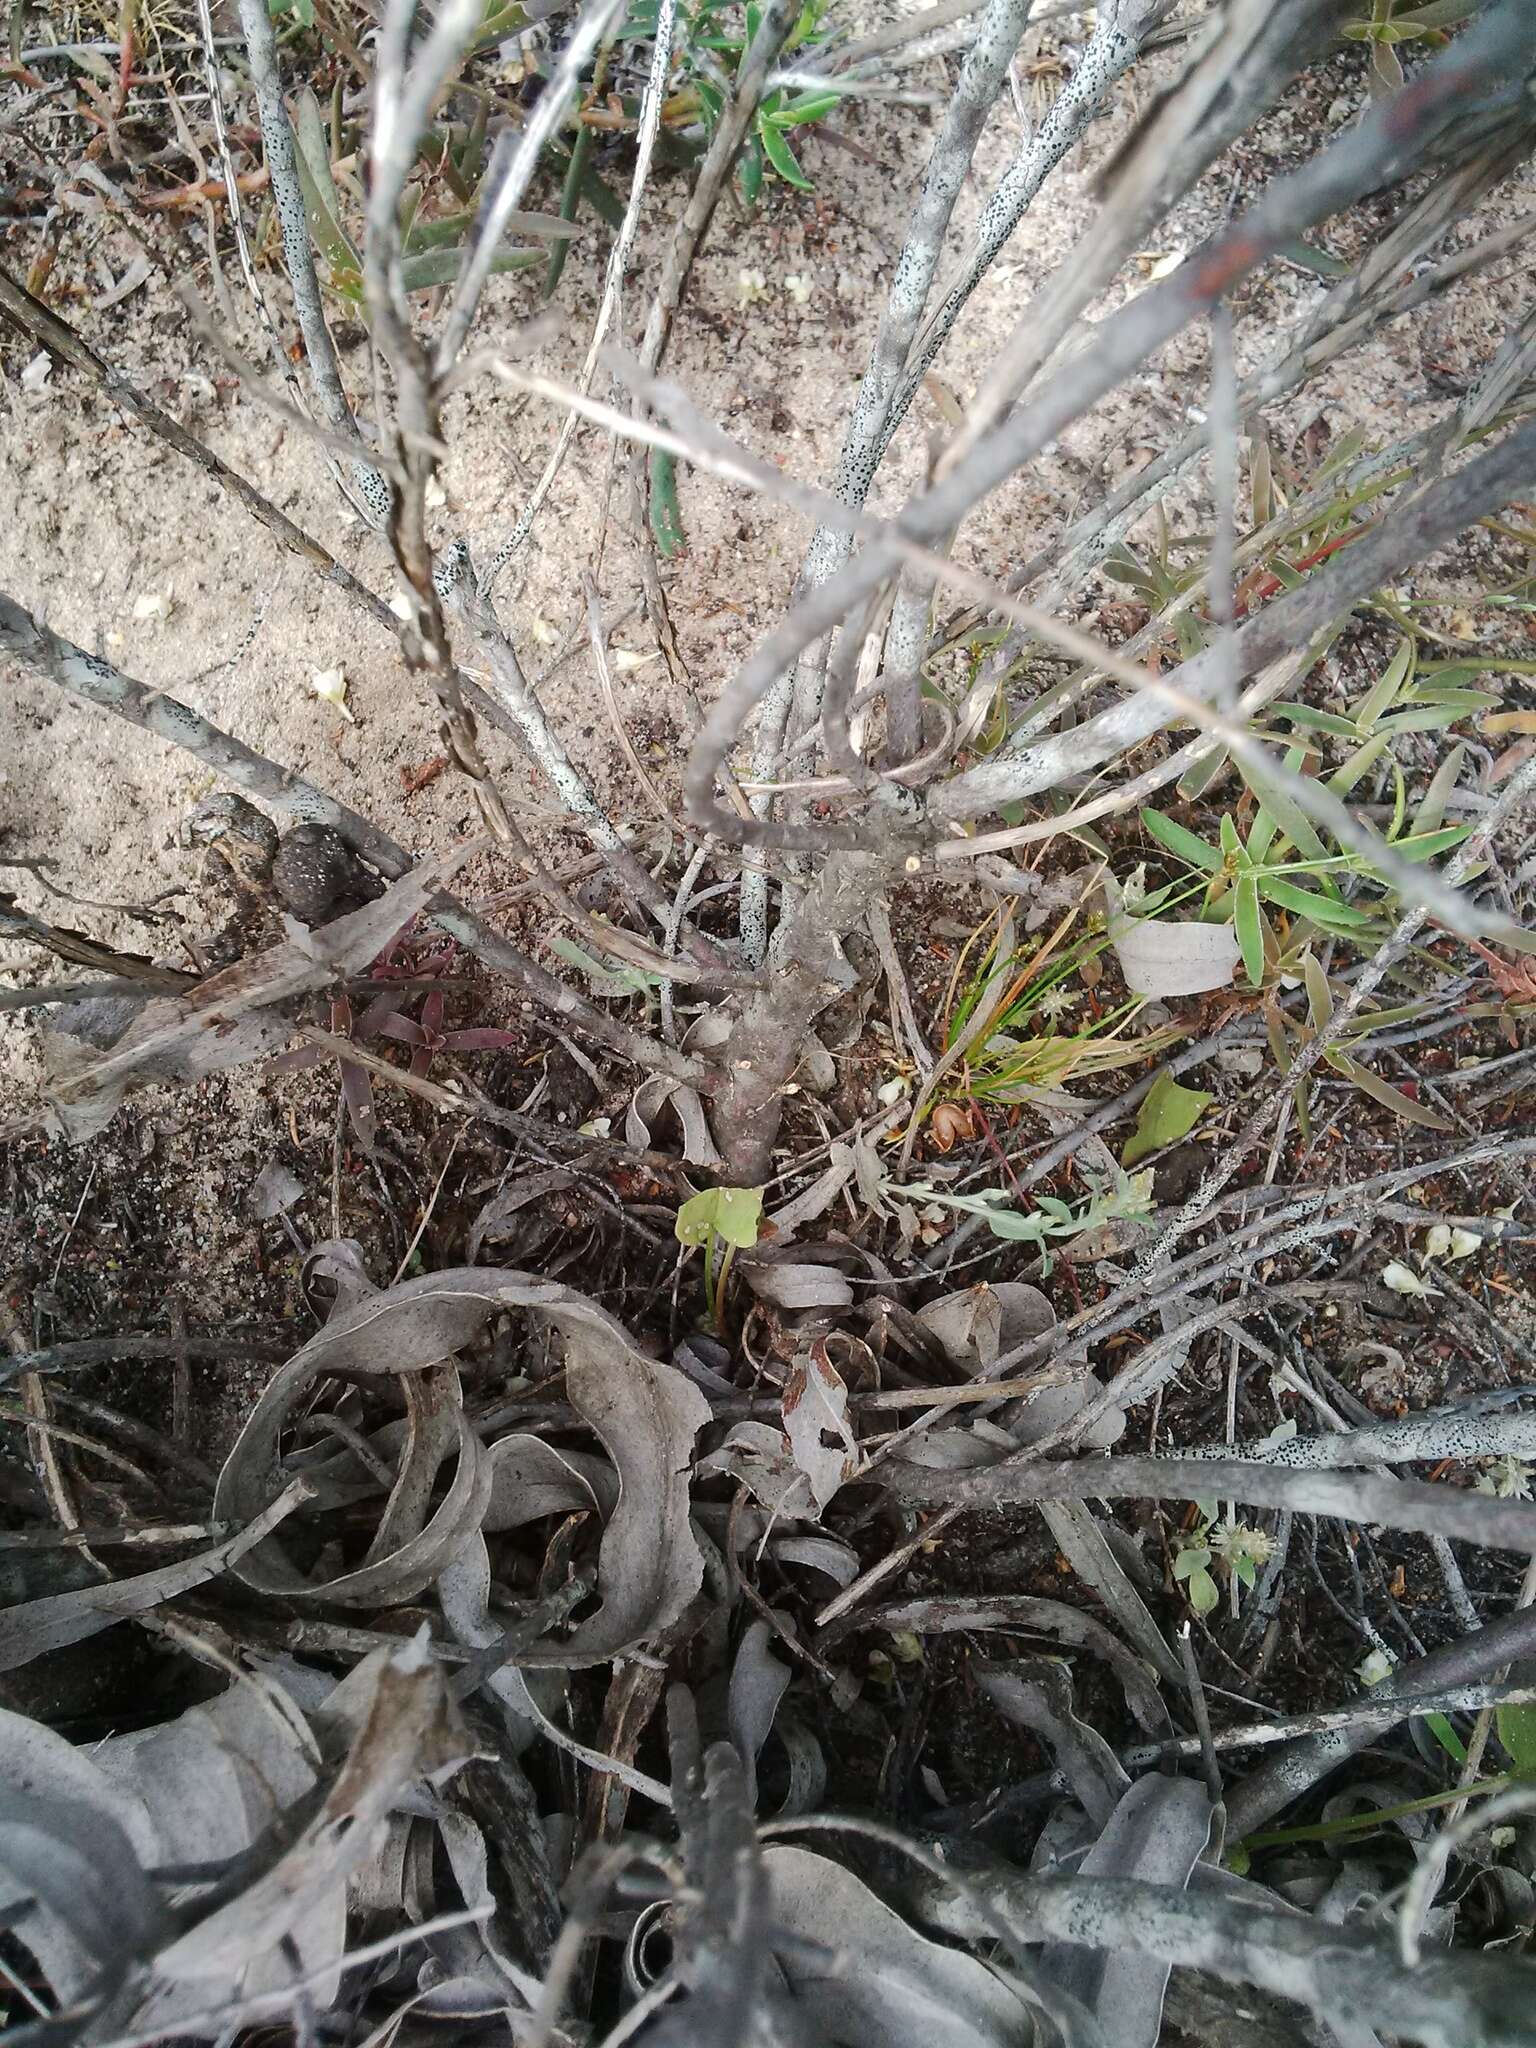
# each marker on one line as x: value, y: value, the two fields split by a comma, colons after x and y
x: 1438, y: 1242
x: 1377, y: 1666
x: 436, y: 496
x: 150, y: 606
x: 402, y: 606
x: 625, y: 658
x: 1464, y: 1243
x: 330, y: 684
x: 1403, y: 1280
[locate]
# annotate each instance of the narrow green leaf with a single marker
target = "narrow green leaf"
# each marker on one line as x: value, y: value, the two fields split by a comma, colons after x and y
x: 1450, y: 710
x: 431, y: 267
x: 1425, y: 845
x: 1319, y: 994
x: 1169, y: 1112
x: 1447, y: 1737
x: 666, y: 518
x: 1321, y: 262
x: 1181, y: 842
x: 1320, y: 721
x: 1426, y: 819
x: 1361, y: 762
x: 1383, y: 692
x: 1389, y: 1097
x: 781, y: 156
x: 1266, y: 781
x: 1250, y: 932
x: 811, y: 106
x: 1323, y: 910
x: 1517, y: 1732
x: 750, y: 171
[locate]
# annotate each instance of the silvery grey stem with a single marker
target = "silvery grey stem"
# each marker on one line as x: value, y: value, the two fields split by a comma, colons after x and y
x: 288, y: 196
x: 1119, y: 35
x: 982, y: 77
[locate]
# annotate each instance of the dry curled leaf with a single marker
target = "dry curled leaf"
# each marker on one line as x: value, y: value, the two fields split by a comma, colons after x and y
x: 815, y: 1409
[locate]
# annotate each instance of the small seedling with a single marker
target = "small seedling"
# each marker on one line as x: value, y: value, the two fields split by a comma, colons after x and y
x: 729, y: 1216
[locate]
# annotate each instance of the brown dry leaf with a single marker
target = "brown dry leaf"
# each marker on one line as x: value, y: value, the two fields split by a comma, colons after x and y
x: 949, y: 1125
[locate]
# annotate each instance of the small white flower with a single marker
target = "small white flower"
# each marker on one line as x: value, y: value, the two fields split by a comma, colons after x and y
x: 889, y: 1093
x: 1055, y: 1003
x: 1403, y: 1280
x: 798, y: 286
x: 330, y: 685
x: 1235, y: 1540
x: 750, y: 285
x: 1509, y: 1479
x: 1376, y: 1667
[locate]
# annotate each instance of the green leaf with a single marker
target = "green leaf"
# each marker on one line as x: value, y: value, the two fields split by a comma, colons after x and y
x: 1323, y: 910
x: 1204, y: 1594
x: 1321, y: 262
x: 1454, y: 706
x: 1383, y: 1092
x: 666, y: 519
x: 1184, y: 844
x: 1321, y: 721
x: 732, y: 1213
x: 1013, y: 1227
x: 1383, y: 692
x: 431, y: 267
x: 1517, y: 1732
x: 1343, y: 780
x: 1206, y: 772
x: 1266, y: 779
x: 1169, y: 1112
x: 782, y: 157
x: 1250, y: 931
x: 1425, y: 845
x: 750, y: 171
x: 1319, y: 994
x: 1447, y: 1737
x: 1426, y: 819
x: 312, y: 160
x: 1188, y: 1562
x: 811, y: 106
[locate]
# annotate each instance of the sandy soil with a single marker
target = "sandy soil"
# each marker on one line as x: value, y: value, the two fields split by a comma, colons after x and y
x: 121, y: 546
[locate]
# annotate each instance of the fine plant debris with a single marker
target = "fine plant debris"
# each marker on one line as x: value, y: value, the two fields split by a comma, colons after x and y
x: 768, y: 912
